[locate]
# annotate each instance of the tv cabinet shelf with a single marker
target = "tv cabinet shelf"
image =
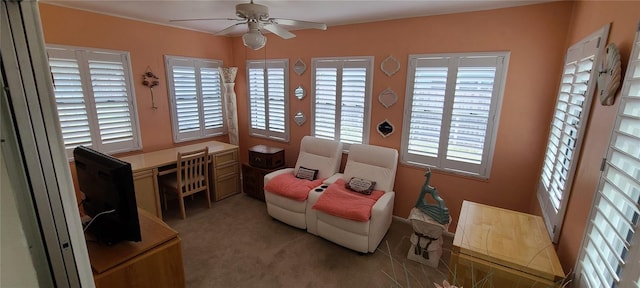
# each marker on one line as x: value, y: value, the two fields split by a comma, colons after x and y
x: 156, y: 261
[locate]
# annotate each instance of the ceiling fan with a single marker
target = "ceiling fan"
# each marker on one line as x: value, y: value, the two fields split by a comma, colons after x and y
x: 256, y: 17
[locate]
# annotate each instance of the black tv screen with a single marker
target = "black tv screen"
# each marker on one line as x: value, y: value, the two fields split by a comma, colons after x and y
x: 109, y: 196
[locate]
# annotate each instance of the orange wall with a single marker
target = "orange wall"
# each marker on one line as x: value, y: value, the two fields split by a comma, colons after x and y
x: 147, y: 44
x: 535, y: 36
x: 589, y: 16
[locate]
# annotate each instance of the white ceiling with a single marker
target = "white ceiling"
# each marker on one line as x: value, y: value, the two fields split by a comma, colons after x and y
x: 330, y: 12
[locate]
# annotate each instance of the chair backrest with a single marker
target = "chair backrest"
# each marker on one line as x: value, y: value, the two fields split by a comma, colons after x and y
x: 193, y: 171
x: 320, y: 154
x: 373, y: 163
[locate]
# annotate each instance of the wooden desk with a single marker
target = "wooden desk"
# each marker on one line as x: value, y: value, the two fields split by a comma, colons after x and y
x: 507, y: 248
x: 224, y: 172
x: 156, y: 261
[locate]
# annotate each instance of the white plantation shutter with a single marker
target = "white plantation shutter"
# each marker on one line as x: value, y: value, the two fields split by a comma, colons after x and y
x: 94, y: 99
x: 257, y: 98
x: 110, y: 94
x: 610, y: 252
x: 427, y: 108
x: 341, y: 99
x: 567, y: 128
x: 354, y: 96
x: 211, y: 99
x: 269, y: 98
x: 70, y: 102
x: 186, y: 99
x: 277, y: 91
x: 326, y: 97
x: 453, y: 101
x: 470, y: 114
x: 195, y: 92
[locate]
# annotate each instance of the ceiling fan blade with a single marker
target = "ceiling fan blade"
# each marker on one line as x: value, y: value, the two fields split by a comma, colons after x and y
x: 275, y: 29
x: 299, y: 23
x: 228, y: 29
x: 206, y: 19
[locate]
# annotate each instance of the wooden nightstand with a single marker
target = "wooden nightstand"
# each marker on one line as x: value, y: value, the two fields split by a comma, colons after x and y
x: 253, y: 180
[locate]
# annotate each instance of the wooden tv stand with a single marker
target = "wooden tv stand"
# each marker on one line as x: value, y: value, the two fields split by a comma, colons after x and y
x: 156, y: 261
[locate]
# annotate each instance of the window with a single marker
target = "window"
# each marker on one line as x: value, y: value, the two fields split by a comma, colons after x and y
x: 610, y: 253
x: 94, y: 99
x: 451, y: 111
x: 195, y: 94
x: 268, y: 87
x: 341, y: 99
x: 567, y: 128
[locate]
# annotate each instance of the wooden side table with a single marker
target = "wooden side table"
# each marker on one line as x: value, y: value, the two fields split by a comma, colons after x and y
x: 253, y: 180
x: 504, y: 248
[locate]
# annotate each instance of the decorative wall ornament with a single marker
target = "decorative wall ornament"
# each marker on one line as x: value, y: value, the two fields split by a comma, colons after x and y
x: 385, y: 128
x: 387, y: 97
x: 228, y: 76
x: 299, y: 92
x: 150, y: 80
x: 390, y: 65
x: 299, y: 118
x: 609, y: 75
x: 299, y: 67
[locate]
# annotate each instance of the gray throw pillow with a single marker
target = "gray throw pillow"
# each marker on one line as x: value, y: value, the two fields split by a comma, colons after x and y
x: 306, y: 173
x: 360, y: 185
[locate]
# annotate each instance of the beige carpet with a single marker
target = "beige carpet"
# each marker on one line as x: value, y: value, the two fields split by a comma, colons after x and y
x: 237, y: 244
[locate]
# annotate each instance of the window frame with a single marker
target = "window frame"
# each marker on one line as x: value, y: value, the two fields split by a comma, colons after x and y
x: 266, y: 132
x: 368, y: 65
x: 630, y: 270
x: 440, y: 162
x: 554, y: 219
x: 82, y: 55
x: 197, y: 64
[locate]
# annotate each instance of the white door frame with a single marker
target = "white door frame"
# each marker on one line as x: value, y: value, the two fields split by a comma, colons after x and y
x: 35, y: 152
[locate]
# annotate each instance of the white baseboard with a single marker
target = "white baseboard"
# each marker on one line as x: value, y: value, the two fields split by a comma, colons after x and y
x: 405, y: 220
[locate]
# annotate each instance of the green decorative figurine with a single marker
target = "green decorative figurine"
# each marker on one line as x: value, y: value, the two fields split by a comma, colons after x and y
x: 439, y: 212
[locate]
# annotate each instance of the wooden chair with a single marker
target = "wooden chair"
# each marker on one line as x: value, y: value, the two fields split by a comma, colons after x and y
x: 192, y: 176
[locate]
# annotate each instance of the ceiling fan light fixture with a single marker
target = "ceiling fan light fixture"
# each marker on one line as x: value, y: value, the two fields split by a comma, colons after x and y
x: 256, y: 17
x: 254, y: 39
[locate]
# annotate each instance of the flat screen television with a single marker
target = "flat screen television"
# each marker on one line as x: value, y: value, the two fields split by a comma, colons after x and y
x: 109, y: 196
